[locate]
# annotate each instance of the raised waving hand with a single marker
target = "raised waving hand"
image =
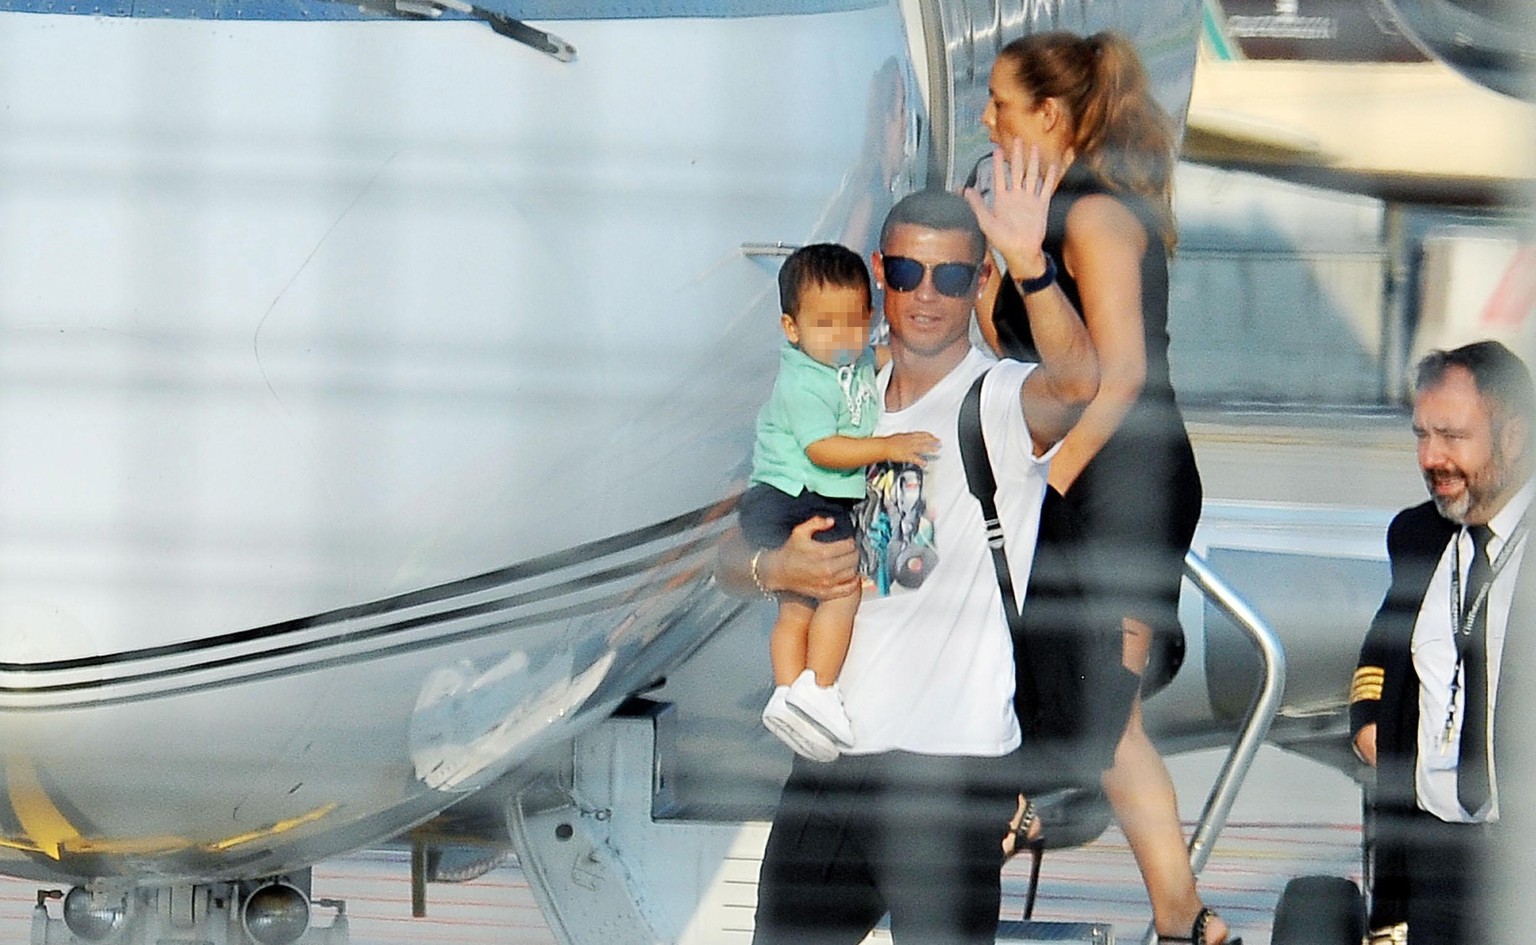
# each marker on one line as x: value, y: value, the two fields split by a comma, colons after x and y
x: 1021, y: 201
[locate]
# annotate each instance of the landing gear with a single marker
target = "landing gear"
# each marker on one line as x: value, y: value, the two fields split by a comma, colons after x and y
x: 276, y: 911
x: 1319, y: 910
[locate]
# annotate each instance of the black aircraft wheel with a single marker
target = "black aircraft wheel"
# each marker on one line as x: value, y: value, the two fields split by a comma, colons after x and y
x: 1319, y: 910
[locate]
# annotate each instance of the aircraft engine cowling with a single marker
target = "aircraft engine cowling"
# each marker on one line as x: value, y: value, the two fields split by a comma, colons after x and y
x: 1491, y: 42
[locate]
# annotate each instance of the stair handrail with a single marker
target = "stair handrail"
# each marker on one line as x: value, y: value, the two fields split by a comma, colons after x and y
x: 1261, y: 711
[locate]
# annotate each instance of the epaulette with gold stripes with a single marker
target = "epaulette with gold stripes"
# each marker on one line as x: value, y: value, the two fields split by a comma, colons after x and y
x: 1367, y: 684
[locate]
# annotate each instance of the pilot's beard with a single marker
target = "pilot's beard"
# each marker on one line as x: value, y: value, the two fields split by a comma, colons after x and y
x: 1481, y: 493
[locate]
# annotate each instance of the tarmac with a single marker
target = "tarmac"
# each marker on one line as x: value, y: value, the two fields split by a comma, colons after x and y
x: 1293, y: 817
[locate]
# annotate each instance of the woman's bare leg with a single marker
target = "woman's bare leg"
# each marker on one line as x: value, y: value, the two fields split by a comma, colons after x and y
x: 1141, y: 793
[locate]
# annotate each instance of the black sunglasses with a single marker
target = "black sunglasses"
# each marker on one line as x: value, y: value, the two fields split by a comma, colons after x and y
x: 905, y: 274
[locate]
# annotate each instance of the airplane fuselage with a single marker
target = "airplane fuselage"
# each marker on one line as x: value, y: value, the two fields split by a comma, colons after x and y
x: 366, y: 388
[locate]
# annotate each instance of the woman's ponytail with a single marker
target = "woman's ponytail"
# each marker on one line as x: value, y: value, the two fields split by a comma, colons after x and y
x: 1124, y: 135
x: 1119, y: 131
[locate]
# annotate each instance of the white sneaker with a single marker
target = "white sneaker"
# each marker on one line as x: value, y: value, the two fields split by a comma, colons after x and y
x: 823, y: 707
x: 795, y: 731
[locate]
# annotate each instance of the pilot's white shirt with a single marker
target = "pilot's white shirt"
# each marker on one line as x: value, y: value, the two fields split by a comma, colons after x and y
x: 1434, y: 660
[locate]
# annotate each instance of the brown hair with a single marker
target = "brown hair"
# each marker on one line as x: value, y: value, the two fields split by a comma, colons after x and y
x: 1118, y: 130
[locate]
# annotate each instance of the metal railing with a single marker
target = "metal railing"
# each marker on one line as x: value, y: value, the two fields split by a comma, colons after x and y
x: 1261, y: 711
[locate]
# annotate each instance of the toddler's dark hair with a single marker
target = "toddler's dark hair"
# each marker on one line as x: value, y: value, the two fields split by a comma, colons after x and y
x: 827, y: 264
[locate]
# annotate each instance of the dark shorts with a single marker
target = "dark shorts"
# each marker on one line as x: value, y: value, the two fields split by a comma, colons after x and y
x: 918, y: 836
x: 768, y: 515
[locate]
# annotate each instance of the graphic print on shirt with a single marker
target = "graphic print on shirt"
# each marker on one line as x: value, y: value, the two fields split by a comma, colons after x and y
x: 897, y: 548
x: 858, y: 389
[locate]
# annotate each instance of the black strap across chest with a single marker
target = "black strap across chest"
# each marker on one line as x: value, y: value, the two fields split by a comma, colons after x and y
x: 983, y: 485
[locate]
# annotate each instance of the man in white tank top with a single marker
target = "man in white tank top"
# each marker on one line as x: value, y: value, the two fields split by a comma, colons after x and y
x: 910, y: 818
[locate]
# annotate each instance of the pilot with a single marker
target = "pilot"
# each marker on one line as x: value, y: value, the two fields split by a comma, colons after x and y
x: 1425, y: 697
x: 907, y: 820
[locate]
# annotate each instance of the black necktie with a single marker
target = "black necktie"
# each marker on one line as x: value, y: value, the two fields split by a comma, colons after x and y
x: 1472, y: 762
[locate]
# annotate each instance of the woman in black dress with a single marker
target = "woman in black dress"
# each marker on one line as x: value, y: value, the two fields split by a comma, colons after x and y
x: 1126, y: 473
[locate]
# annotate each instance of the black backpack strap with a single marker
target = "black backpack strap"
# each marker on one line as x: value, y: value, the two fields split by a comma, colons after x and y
x: 983, y: 485
x: 1071, y: 693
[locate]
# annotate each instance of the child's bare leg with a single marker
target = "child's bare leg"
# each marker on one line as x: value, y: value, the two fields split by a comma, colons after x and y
x: 787, y: 648
x: 830, y: 632
x: 787, y: 644
x: 814, y: 694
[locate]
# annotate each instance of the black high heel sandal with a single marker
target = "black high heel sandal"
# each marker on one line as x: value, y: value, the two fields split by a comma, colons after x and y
x: 1021, y: 830
x: 1035, y: 845
x: 1197, y: 931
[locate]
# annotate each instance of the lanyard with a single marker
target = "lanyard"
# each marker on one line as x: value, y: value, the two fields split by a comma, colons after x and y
x: 1463, y: 617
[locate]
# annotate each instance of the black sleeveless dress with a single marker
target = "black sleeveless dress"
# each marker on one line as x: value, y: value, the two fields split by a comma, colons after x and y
x: 1133, y: 510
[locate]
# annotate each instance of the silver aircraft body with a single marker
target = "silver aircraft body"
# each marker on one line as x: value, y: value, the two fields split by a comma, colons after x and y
x: 375, y: 384
x: 368, y: 387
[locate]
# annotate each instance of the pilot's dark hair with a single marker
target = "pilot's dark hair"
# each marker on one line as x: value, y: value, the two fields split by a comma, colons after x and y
x: 1498, y: 372
x: 936, y: 210
x: 826, y: 264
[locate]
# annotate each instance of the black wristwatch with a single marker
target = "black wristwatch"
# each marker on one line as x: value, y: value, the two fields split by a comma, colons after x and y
x: 1042, y: 281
